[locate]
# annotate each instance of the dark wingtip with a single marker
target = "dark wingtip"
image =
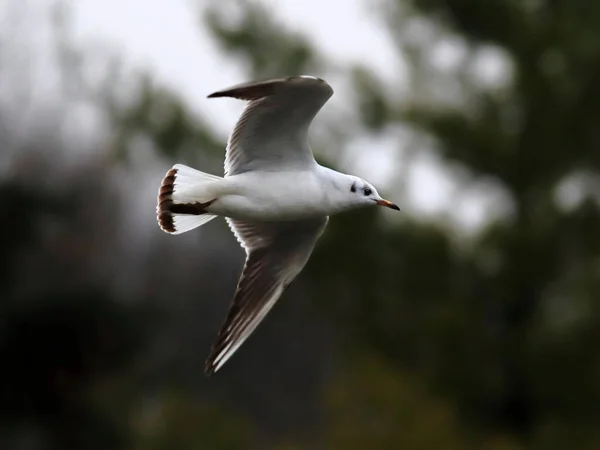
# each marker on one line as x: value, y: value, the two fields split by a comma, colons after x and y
x: 249, y: 91
x: 209, y: 369
x: 259, y: 89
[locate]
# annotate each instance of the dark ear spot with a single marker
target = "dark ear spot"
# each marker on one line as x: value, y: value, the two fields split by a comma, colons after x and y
x: 353, y: 187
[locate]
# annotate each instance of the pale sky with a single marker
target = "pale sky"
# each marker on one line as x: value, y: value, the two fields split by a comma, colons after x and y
x: 165, y: 38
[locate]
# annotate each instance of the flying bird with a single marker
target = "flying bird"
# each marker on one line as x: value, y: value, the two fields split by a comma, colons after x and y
x: 275, y: 197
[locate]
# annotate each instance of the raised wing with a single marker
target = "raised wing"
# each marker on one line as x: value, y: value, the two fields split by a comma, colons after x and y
x: 272, y: 132
x: 276, y: 254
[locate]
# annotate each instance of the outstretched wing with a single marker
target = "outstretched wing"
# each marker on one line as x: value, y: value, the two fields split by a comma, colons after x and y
x: 276, y: 253
x: 272, y: 132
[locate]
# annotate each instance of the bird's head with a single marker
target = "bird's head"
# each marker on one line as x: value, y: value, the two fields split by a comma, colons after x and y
x: 363, y: 193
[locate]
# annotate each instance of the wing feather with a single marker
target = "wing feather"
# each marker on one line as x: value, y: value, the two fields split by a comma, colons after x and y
x: 272, y: 132
x: 276, y: 254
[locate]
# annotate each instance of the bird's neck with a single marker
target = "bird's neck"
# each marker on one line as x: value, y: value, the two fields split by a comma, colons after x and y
x: 336, y: 186
x: 335, y: 179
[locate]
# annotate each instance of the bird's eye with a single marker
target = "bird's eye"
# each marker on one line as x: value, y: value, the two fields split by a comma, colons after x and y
x: 353, y: 187
x: 367, y: 192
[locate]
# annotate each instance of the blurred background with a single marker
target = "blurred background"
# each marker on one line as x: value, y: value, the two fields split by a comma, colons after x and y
x: 470, y: 320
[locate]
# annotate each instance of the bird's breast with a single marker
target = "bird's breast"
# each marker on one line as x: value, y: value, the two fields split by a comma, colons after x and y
x: 271, y: 196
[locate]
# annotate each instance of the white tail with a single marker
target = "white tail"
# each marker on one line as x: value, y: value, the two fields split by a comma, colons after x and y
x: 182, y: 199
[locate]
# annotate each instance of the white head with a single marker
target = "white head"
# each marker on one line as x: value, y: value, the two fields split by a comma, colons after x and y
x: 358, y: 192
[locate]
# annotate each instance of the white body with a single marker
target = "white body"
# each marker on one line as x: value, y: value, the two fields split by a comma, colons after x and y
x: 277, y: 196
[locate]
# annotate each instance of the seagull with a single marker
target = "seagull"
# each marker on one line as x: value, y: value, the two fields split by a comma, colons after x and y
x: 274, y: 196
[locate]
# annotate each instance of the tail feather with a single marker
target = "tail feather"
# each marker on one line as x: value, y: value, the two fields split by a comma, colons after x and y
x: 180, y: 206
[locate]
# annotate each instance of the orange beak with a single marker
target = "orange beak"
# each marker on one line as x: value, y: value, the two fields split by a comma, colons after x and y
x: 388, y: 204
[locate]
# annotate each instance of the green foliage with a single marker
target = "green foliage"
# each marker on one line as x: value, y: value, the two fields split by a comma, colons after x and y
x: 177, y: 421
x: 160, y: 116
x: 267, y: 48
x: 371, y: 405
